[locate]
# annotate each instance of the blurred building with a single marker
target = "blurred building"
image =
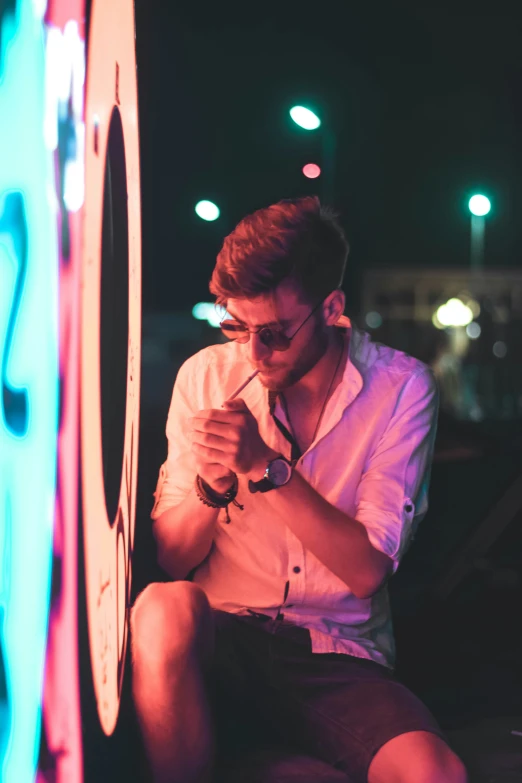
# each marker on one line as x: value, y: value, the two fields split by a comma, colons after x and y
x: 478, y: 361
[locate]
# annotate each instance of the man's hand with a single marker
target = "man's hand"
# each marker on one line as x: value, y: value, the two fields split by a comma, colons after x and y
x: 231, y: 438
x: 219, y: 478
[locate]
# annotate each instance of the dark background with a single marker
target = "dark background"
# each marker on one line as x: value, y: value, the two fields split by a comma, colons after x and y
x: 425, y: 102
x: 426, y: 107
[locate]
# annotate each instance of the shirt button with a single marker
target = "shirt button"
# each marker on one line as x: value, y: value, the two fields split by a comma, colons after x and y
x: 297, y: 570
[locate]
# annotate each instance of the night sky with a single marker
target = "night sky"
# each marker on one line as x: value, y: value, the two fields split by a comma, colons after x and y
x: 426, y: 105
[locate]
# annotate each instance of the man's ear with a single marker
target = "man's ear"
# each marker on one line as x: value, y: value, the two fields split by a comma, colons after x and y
x: 334, y: 305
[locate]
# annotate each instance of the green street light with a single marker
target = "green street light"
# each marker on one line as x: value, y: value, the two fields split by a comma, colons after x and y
x: 479, y: 205
x: 207, y: 210
x: 305, y: 118
x: 308, y: 120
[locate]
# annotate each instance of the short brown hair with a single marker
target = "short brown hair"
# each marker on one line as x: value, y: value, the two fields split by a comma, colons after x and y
x: 296, y: 239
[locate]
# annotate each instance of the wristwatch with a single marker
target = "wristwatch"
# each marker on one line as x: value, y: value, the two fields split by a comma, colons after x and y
x: 278, y: 473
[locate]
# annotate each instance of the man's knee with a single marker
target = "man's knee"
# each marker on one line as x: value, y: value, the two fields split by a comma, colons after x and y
x: 169, y: 621
x: 416, y: 757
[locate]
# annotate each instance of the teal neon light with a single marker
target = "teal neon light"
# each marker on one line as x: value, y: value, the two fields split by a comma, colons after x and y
x: 29, y: 384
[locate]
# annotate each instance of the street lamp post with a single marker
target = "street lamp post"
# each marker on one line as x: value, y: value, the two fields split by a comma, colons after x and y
x: 309, y: 120
x: 329, y: 145
x: 479, y: 206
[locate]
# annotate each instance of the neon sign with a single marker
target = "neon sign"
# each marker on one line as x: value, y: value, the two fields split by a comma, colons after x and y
x: 69, y: 214
x: 63, y: 131
x: 110, y: 338
x: 29, y: 385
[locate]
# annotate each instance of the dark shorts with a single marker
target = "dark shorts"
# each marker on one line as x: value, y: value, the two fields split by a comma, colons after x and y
x: 267, y: 686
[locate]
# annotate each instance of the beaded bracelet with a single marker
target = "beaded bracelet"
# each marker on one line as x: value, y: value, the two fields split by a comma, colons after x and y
x: 213, y: 500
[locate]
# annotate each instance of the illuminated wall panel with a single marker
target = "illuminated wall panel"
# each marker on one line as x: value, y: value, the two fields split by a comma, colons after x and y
x: 69, y: 384
x: 110, y: 340
x: 29, y: 383
x: 64, y: 133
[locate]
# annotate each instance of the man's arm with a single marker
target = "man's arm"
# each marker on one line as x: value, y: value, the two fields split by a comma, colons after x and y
x: 183, y: 526
x: 184, y: 531
x: 184, y: 535
x: 336, y: 539
x: 364, y: 550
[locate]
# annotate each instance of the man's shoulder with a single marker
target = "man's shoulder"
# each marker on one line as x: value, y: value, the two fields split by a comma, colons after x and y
x: 213, y: 368
x: 392, y: 378
x: 379, y: 360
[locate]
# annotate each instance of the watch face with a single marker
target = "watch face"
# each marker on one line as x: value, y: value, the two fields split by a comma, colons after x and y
x: 279, y: 472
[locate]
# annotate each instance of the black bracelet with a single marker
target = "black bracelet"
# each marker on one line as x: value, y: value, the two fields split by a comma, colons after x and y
x: 210, y: 498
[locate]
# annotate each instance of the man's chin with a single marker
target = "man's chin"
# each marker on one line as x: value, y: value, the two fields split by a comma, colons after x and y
x: 285, y: 378
x: 280, y: 384
x: 272, y: 383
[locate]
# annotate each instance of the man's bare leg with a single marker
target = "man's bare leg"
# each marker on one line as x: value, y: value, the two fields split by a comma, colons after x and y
x: 172, y: 648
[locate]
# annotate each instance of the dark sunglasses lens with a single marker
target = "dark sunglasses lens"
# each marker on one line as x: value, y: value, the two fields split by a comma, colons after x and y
x: 274, y: 339
x: 235, y: 331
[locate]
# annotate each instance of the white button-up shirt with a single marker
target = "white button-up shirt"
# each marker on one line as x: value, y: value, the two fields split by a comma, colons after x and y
x: 371, y: 459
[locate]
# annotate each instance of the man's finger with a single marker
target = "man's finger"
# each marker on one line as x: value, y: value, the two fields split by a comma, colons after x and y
x: 213, y: 414
x: 222, y: 429
x: 213, y: 441
x: 213, y: 469
x: 210, y: 455
x: 236, y: 405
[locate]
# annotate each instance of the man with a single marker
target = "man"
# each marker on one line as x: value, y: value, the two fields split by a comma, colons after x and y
x: 291, y: 505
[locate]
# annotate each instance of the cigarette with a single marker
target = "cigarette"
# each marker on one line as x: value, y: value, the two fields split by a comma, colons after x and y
x: 240, y: 388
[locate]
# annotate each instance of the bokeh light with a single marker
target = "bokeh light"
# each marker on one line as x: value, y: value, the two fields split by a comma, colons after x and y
x: 207, y: 311
x: 207, y: 210
x: 453, y: 313
x: 479, y: 205
x: 373, y: 319
x: 311, y: 170
x: 473, y: 330
x: 304, y: 117
x: 500, y: 349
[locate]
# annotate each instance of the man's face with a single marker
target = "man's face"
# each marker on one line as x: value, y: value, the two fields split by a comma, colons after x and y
x: 282, y: 309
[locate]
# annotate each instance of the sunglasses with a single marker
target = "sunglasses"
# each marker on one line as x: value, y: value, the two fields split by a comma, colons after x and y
x: 271, y: 336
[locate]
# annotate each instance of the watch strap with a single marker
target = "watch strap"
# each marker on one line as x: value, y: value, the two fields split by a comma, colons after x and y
x: 260, y: 486
x: 264, y: 485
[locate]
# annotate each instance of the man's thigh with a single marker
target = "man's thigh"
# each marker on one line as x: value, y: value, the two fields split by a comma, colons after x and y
x: 236, y: 681
x: 339, y: 708
x: 248, y: 743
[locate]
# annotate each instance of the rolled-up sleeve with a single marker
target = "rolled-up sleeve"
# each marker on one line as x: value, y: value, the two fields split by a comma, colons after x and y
x: 177, y: 474
x: 392, y: 497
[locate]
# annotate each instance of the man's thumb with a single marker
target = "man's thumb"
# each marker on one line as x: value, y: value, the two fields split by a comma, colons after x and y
x: 235, y: 405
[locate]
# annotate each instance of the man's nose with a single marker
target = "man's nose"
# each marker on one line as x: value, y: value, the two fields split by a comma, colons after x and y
x: 258, y: 350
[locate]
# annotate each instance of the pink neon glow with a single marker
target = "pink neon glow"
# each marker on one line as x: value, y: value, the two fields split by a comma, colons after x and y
x: 111, y: 79
x: 311, y: 170
x: 61, y: 697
